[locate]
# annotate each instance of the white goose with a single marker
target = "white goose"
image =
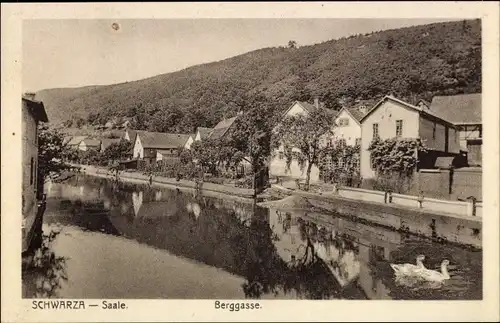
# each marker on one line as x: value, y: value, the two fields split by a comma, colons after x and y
x: 434, y: 275
x: 409, y: 269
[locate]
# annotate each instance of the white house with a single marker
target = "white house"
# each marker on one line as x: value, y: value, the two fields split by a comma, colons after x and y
x: 347, y: 127
x: 189, y: 142
x: 391, y: 118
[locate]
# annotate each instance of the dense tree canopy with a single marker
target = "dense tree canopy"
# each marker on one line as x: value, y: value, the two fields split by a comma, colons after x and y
x: 302, y: 137
x: 411, y: 63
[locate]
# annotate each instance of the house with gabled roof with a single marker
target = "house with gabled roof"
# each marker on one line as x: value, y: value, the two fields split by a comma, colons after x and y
x: 129, y: 135
x: 155, y: 146
x: 74, y: 142
x: 348, y: 126
x: 394, y: 118
x: 89, y: 144
x: 106, y: 142
x: 202, y: 133
x: 277, y: 165
x: 464, y: 111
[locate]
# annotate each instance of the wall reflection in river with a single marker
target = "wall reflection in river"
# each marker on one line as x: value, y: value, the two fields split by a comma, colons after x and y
x: 136, y: 241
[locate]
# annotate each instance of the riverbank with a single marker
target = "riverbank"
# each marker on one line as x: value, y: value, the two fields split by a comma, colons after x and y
x: 436, y: 224
x: 209, y: 189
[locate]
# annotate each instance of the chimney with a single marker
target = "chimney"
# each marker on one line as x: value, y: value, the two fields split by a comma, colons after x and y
x: 316, y: 103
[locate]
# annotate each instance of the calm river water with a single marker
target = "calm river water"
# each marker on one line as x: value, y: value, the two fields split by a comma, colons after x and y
x: 139, y: 241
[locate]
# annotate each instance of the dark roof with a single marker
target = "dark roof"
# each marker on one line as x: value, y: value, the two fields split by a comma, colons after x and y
x: 92, y: 142
x: 458, y: 109
x: 204, y: 132
x: 356, y: 113
x: 161, y: 140
x: 221, y: 128
x: 36, y: 108
x: 308, y: 107
x: 131, y: 134
x: 424, y: 102
x: 106, y: 142
x: 76, y: 140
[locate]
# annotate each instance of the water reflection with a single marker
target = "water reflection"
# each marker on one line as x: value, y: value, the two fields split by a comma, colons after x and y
x: 44, y: 272
x: 277, y: 254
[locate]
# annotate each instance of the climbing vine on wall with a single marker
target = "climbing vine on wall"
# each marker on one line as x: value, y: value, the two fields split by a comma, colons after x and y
x: 340, y: 163
x: 396, y: 155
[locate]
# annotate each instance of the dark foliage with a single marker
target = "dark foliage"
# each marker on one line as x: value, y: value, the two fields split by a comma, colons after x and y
x: 411, y: 63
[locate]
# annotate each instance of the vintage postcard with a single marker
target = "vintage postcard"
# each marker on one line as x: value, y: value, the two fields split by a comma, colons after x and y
x: 250, y: 162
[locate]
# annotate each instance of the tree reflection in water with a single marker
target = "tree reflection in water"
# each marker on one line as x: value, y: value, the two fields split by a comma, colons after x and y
x: 307, y: 275
x: 49, y: 270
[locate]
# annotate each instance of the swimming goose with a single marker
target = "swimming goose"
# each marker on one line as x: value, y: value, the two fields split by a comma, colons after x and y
x: 434, y: 275
x: 409, y: 269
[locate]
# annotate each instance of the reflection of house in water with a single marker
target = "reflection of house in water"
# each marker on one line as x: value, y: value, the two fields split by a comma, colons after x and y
x: 347, y: 248
x: 152, y: 207
x: 137, y: 201
x: 194, y: 208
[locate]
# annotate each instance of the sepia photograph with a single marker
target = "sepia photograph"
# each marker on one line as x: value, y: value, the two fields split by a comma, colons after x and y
x: 251, y: 159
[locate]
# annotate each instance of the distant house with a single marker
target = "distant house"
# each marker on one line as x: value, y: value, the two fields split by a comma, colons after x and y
x: 75, y: 141
x: 155, y: 146
x: 129, y: 135
x: 394, y: 118
x: 189, y: 142
x: 278, y: 161
x: 33, y: 112
x: 89, y: 144
x: 464, y: 111
x: 106, y: 142
x: 202, y: 133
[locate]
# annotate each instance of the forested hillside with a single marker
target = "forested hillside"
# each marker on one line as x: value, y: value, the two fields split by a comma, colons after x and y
x: 411, y: 63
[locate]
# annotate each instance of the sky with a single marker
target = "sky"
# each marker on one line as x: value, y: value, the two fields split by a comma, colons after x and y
x: 72, y: 53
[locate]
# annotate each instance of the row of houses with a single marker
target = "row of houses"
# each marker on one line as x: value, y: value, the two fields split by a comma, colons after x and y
x: 450, y: 127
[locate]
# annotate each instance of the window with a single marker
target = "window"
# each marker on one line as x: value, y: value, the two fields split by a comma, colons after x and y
x: 375, y: 131
x: 399, y: 128
x: 358, y: 141
x: 31, y: 171
x: 343, y: 122
x: 281, y: 155
x: 434, y: 131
